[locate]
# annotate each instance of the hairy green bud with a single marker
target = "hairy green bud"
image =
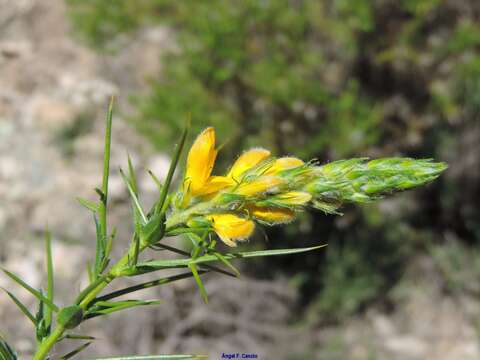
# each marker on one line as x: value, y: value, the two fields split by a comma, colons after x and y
x: 359, y: 180
x: 70, y: 317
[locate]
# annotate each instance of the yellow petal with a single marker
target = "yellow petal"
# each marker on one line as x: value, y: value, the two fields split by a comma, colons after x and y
x: 258, y: 186
x: 294, y: 198
x: 272, y: 215
x: 283, y: 163
x: 231, y: 228
x: 246, y: 161
x: 200, y: 161
x: 215, y: 184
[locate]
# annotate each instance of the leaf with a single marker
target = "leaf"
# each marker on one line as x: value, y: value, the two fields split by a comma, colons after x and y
x: 34, y: 292
x: 106, y: 307
x: 181, y: 252
x: 41, y: 328
x: 90, y: 205
x: 99, y: 248
x: 128, y: 303
x: 203, y: 292
x: 227, y: 263
x: 136, y: 204
x: 106, y: 154
x: 171, y: 170
x: 131, y: 175
x: 102, y: 208
x: 6, y: 351
x: 50, y: 280
x: 77, y: 337
x: 108, y: 248
x: 156, y: 180
x: 180, y: 263
x: 148, y: 284
x: 76, y: 351
x: 21, y: 306
x: 136, y: 249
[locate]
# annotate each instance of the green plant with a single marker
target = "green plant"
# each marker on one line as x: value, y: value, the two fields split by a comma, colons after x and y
x: 257, y: 188
x: 321, y: 79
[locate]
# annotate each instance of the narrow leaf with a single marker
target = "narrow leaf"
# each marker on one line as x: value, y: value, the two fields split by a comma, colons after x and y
x: 227, y: 263
x: 21, y: 306
x: 156, y: 180
x: 76, y: 351
x: 135, y: 201
x: 131, y: 175
x: 99, y: 248
x: 34, y: 292
x: 147, y: 285
x: 105, y: 308
x: 179, y: 263
x: 77, y: 337
x: 50, y: 280
x: 106, y: 155
x: 181, y: 252
x: 129, y: 303
x: 171, y: 170
x: 6, y: 351
x: 108, y: 247
x: 90, y: 205
x: 102, y: 207
x: 41, y: 328
x: 203, y: 292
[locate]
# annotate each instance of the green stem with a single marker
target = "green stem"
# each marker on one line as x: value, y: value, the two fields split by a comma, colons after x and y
x: 58, y: 331
x: 89, y: 294
x: 48, y: 343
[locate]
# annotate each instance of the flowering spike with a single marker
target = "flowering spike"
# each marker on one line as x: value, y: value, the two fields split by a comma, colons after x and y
x: 359, y: 180
x: 270, y: 190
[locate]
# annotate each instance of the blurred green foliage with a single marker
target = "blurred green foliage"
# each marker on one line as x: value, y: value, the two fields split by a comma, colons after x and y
x: 325, y: 79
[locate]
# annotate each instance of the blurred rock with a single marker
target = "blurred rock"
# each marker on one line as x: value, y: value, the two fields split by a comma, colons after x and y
x: 53, y: 114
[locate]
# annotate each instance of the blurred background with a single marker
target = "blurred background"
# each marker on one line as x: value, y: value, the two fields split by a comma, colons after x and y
x: 315, y: 78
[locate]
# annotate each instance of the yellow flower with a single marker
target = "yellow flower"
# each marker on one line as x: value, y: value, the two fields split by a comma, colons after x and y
x: 200, y: 161
x: 231, y: 228
x: 293, y: 198
x: 258, y: 186
x: 246, y: 161
x: 272, y: 215
x: 213, y: 185
x: 283, y: 163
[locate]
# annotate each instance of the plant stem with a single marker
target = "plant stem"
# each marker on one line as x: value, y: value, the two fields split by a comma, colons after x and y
x: 58, y: 331
x: 48, y: 343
